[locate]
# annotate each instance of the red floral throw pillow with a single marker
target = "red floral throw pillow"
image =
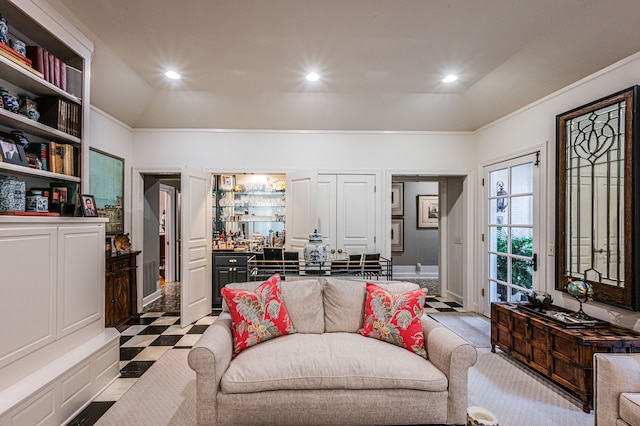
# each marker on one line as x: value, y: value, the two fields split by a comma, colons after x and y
x: 257, y: 315
x: 395, y: 318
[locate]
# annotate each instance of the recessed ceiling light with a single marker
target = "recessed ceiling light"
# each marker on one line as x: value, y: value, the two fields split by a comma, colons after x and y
x: 313, y: 76
x: 450, y: 78
x: 172, y: 75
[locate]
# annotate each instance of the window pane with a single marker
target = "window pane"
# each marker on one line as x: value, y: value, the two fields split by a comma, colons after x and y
x: 498, y: 176
x: 521, y: 273
x: 498, y: 239
x: 522, y: 210
x: 522, y: 179
x: 498, y: 292
x: 522, y: 241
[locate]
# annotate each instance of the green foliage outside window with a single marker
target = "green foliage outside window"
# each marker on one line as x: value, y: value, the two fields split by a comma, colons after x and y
x: 521, y: 273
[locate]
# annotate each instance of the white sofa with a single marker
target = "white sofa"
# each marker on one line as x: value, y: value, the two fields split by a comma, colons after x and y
x: 616, y: 389
x: 326, y: 373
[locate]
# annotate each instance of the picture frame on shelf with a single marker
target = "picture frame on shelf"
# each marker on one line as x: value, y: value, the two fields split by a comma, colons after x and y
x: 106, y: 183
x: 397, y: 235
x: 397, y: 199
x: 12, y: 151
x: 428, y: 211
x: 88, y: 205
x: 226, y: 182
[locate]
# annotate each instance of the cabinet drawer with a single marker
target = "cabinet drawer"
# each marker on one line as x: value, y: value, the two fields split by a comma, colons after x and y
x: 120, y: 264
x: 231, y: 261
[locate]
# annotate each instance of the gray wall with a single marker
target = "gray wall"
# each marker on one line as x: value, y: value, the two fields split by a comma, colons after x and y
x: 420, y: 245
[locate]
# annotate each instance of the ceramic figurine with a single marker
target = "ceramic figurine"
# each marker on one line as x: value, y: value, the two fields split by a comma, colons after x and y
x: 9, y: 101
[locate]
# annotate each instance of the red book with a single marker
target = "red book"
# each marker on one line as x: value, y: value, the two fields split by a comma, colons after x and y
x: 15, y: 54
x: 45, y: 64
x: 30, y: 213
x: 56, y: 71
x: 63, y: 76
x: 36, y: 54
x: 52, y: 67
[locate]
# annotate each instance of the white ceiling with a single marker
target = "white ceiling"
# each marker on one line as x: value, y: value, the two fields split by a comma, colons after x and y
x: 243, y: 61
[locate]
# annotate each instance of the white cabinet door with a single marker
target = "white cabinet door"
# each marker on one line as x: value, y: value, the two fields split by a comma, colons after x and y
x: 355, y: 214
x: 346, y: 212
x: 302, y: 217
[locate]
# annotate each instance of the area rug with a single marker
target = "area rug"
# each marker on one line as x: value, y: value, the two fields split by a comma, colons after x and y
x: 518, y: 396
x: 165, y: 395
x: 474, y: 328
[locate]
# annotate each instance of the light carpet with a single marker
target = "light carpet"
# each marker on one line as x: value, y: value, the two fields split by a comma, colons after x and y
x: 474, y: 328
x: 165, y: 395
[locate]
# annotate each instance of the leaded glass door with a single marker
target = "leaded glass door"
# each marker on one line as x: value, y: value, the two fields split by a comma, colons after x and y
x: 511, y: 231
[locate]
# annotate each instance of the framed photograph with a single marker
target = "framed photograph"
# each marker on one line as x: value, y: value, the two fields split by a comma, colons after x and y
x: 12, y: 152
x: 88, y: 205
x: 397, y: 235
x: 428, y: 211
x: 106, y: 183
x: 226, y: 182
x: 397, y: 199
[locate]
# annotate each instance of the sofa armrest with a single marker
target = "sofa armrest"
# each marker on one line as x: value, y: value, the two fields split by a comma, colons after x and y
x: 209, y: 358
x: 613, y: 374
x: 452, y: 355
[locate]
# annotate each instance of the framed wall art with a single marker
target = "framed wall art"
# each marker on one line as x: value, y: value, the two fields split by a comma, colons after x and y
x: 226, y: 182
x: 106, y: 183
x: 11, y: 151
x: 428, y: 211
x: 88, y: 205
x: 397, y: 198
x: 397, y: 235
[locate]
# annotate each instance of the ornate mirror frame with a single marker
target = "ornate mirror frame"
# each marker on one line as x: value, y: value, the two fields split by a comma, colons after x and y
x: 598, y: 191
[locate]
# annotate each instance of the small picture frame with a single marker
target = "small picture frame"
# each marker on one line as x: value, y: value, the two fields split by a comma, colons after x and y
x: 397, y: 198
x: 226, y: 182
x: 397, y: 235
x: 12, y: 152
x: 88, y: 205
x: 428, y: 211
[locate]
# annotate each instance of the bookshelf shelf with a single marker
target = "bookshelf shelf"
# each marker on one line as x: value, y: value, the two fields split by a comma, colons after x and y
x: 27, y: 172
x: 31, y: 82
x: 21, y: 122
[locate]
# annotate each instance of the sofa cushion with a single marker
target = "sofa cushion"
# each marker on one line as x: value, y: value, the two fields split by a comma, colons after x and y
x: 630, y: 408
x: 329, y: 361
x: 257, y: 316
x: 303, y: 299
x: 395, y: 318
x: 344, y: 302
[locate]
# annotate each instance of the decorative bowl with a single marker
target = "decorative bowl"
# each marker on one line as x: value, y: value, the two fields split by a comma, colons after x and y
x: 540, y: 299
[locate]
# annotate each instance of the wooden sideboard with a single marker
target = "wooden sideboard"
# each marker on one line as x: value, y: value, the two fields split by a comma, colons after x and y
x: 120, y: 288
x: 558, y: 351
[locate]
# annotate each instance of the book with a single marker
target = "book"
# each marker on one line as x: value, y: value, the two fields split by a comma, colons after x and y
x: 42, y: 151
x: 36, y: 54
x: 15, y: 54
x: 60, y: 114
x: 54, y: 214
x: 56, y: 71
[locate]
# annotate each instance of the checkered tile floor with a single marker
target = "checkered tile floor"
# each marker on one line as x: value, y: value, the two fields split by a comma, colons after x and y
x: 435, y: 304
x: 142, y: 344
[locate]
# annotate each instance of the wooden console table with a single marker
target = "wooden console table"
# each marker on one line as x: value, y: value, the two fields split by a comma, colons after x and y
x: 120, y: 289
x: 558, y: 351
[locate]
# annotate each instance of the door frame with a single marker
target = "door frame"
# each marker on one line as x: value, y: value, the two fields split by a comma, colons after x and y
x: 137, y: 216
x: 468, y: 296
x: 545, y: 250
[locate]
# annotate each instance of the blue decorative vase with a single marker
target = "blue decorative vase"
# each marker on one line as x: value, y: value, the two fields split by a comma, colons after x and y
x: 9, y: 101
x: 4, y: 30
x: 315, y: 251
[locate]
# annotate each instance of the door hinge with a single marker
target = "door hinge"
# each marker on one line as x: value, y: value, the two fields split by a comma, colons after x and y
x: 375, y: 188
x: 482, y: 181
x: 482, y: 292
x: 537, y: 163
x: 375, y: 239
x: 482, y: 237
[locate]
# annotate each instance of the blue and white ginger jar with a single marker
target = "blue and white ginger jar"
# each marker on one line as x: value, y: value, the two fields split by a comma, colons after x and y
x: 315, y: 251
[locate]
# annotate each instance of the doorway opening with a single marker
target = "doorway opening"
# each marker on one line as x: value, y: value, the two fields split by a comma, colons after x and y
x: 429, y: 213
x: 161, y: 264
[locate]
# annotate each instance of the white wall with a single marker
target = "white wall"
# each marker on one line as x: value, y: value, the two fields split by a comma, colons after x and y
x: 114, y: 137
x: 535, y: 125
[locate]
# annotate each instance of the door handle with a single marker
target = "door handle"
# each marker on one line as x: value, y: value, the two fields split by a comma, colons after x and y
x: 534, y: 259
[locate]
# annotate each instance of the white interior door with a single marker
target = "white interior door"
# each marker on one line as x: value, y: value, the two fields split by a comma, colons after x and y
x: 327, y: 210
x: 301, y: 218
x: 355, y: 214
x: 196, y: 245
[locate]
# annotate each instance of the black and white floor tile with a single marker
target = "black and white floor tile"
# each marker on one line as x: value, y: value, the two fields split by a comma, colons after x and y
x: 435, y: 304
x: 142, y: 344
